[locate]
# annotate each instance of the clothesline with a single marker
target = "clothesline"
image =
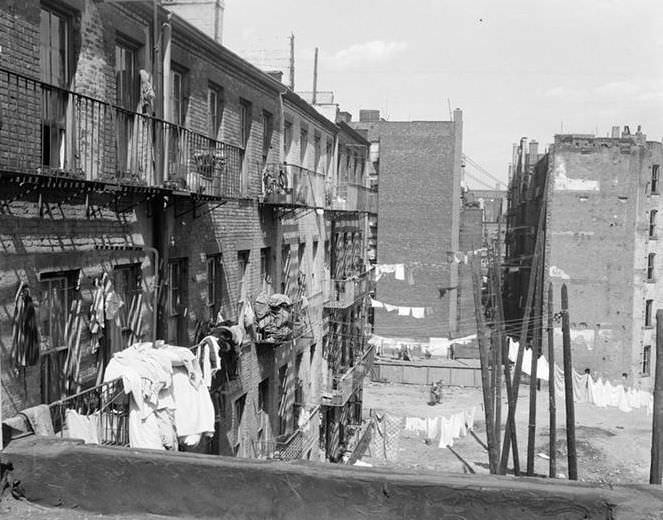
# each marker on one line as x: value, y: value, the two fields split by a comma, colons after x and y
x: 445, y: 428
x: 585, y: 389
x: 416, y: 312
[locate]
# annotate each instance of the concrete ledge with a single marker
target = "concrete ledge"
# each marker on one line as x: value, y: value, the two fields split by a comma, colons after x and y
x: 122, y: 480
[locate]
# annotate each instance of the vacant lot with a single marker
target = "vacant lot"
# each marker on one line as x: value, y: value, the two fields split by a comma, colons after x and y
x: 613, y: 447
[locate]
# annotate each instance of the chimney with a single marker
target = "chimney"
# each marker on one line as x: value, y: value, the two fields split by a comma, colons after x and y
x: 458, y: 115
x: 204, y: 15
x: 369, y: 116
x: 615, y: 132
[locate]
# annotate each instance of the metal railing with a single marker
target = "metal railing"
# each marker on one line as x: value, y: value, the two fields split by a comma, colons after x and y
x: 50, y: 130
x: 289, y: 184
x: 106, y: 404
x: 340, y: 388
x: 295, y: 445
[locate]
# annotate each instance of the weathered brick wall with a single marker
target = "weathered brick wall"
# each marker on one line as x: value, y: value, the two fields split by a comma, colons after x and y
x: 418, y: 222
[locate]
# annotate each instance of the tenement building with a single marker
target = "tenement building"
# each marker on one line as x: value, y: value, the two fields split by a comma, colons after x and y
x: 420, y: 174
x: 601, y: 238
x: 155, y: 186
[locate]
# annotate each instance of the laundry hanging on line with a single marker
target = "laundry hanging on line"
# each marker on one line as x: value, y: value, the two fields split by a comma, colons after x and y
x: 417, y: 312
x: 444, y: 430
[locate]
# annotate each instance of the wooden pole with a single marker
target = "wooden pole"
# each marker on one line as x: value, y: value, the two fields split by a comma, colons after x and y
x: 314, y: 96
x: 483, y: 356
x: 568, y: 389
x: 552, y: 407
x: 292, y: 61
x: 513, y: 398
x: 499, y: 347
x: 536, y: 349
x: 656, y: 468
x: 513, y: 442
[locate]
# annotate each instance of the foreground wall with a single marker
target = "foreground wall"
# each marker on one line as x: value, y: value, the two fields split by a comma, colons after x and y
x: 123, y: 481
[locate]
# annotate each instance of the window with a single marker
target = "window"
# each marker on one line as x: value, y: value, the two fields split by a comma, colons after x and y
x: 654, y: 178
x: 54, y: 57
x: 652, y: 223
x: 330, y: 153
x: 299, y: 389
x: 267, y: 132
x: 315, y: 266
x: 177, y: 296
x: 646, y: 360
x: 283, y: 399
x: 58, y: 290
x: 54, y: 48
x: 287, y: 138
x: 303, y: 145
x: 243, y: 264
x: 176, y: 98
x: 214, y: 110
x: 301, y: 256
x: 244, y: 122
x: 238, y: 414
x: 266, y: 269
x: 649, y: 307
x: 217, y: 294
x: 650, y: 265
x: 317, y: 152
x: 245, y: 132
x: 126, y: 76
x: 263, y: 395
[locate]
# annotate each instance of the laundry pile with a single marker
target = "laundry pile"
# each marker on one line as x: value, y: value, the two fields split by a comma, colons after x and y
x: 273, y: 317
x: 169, y: 399
x: 585, y: 389
x: 444, y: 429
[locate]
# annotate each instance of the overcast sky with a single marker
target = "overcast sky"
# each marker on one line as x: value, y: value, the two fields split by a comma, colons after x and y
x: 515, y: 67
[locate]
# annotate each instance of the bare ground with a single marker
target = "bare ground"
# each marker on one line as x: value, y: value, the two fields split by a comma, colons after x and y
x: 613, y: 447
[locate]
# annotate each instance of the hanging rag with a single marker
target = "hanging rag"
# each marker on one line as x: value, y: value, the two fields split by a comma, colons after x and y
x: 39, y: 419
x: 390, y: 308
x: 399, y: 272
x: 376, y: 304
x: 85, y: 427
x: 25, y: 335
x: 404, y: 311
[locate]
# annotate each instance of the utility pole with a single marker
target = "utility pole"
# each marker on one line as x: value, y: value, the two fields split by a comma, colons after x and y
x: 314, y: 97
x: 552, y: 407
x: 568, y: 389
x: 656, y: 468
x: 483, y: 355
x: 292, y: 61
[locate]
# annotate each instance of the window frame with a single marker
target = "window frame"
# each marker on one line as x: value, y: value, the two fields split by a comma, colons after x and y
x: 69, y: 289
x: 214, y: 114
x: 132, y: 84
x: 653, y: 214
x: 303, y: 146
x: 66, y: 47
x: 266, y: 277
x: 645, y: 362
x: 651, y: 264
x: 655, y: 179
x: 267, y: 134
x: 181, y: 267
x: 649, y: 307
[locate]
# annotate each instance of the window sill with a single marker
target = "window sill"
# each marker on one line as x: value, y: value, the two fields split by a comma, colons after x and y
x: 648, y: 327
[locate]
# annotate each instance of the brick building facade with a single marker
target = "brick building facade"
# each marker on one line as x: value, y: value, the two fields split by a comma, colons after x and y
x: 419, y: 221
x: 104, y: 163
x: 602, y: 206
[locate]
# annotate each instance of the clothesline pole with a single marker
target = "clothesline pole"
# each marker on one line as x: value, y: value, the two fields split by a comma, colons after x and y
x: 536, y: 350
x: 656, y: 468
x: 552, y: 408
x: 499, y: 347
x: 483, y: 356
x: 568, y: 389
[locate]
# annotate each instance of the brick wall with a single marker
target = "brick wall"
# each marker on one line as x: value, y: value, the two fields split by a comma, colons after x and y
x: 418, y: 222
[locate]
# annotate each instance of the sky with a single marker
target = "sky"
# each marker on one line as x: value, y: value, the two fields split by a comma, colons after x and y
x: 517, y: 68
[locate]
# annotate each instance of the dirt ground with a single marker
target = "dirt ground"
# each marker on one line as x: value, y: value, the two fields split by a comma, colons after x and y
x: 613, y: 447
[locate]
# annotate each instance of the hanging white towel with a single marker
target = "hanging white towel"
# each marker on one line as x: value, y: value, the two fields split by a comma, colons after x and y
x: 399, y: 272
x: 376, y: 304
x: 513, y: 350
x: 418, y: 312
x: 403, y: 311
x: 390, y: 308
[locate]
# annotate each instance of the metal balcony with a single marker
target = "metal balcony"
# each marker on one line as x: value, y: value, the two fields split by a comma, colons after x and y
x: 52, y: 131
x: 340, y: 388
x: 353, y: 197
x: 291, y: 185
